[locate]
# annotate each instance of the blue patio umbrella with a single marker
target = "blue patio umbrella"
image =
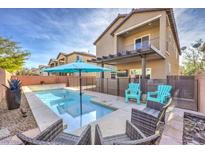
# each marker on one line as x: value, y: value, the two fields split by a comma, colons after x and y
x: 78, y: 66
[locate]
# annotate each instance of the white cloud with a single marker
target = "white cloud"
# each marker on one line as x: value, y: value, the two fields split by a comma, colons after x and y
x: 190, y: 27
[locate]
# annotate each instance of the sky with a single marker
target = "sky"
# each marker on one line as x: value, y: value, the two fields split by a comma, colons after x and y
x: 46, y: 32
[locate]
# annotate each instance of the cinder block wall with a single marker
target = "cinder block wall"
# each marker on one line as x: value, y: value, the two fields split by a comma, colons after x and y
x: 4, y: 77
x: 36, y: 80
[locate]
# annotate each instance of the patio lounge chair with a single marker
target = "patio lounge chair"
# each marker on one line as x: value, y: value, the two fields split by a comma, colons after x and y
x: 161, y: 95
x: 54, y: 135
x: 133, y: 92
x: 132, y: 136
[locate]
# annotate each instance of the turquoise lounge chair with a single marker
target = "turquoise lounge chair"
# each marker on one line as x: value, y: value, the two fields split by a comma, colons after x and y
x: 133, y: 92
x: 161, y: 95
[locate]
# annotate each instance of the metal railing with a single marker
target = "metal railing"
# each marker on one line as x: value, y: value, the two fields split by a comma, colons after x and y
x: 144, y: 46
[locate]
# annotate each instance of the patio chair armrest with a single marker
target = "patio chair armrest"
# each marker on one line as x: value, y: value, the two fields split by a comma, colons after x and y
x: 98, y: 136
x: 167, y: 104
x: 51, y: 132
x: 160, y: 127
x: 152, y: 93
x: 166, y: 94
x: 85, y: 137
x: 32, y: 141
x: 144, y: 115
x: 133, y: 132
x: 164, y: 109
x: 151, y: 140
x: 127, y: 91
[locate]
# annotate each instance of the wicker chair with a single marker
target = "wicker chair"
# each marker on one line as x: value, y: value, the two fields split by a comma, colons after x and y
x: 132, y: 136
x: 151, y: 119
x: 158, y: 110
x: 54, y: 135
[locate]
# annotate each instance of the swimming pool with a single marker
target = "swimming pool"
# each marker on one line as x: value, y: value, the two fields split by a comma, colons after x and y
x: 65, y: 103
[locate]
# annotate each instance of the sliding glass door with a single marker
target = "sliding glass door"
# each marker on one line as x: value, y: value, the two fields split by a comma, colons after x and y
x: 142, y: 43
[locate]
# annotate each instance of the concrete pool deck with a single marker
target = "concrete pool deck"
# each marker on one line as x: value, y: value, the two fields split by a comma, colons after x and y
x: 43, y: 115
x: 110, y: 124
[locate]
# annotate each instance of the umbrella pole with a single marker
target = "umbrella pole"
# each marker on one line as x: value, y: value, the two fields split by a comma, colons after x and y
x: 80, y: 93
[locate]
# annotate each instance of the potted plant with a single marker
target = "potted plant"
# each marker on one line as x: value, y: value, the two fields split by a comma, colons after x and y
x: 13, y: 94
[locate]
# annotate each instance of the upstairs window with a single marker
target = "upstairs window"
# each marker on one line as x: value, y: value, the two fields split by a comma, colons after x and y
x: 142, y: 42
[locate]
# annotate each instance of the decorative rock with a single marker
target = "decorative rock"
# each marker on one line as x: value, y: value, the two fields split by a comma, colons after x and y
x: 23, y: 111
x: 194, y: 129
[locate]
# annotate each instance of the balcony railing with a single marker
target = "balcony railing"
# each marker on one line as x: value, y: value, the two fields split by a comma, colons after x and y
x: 144, y: 45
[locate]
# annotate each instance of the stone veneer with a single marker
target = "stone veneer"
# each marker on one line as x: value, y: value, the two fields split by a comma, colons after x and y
x: 194, y: 129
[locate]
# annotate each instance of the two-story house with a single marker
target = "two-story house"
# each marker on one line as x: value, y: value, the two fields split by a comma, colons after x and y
x: 144, y: 42
x: 66, y: 58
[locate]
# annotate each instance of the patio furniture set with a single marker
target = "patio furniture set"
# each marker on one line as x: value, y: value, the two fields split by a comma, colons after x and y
x: 145, y: 127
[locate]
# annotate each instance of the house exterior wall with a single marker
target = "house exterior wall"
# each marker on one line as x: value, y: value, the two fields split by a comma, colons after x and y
x: 70, y: 58
x: 165, y: 42
x: 157, y: 68
x: 172, y: 54
x: 139, y: 18
x: 61, y: 58
x: 105, y: 46
x: 128, y: 41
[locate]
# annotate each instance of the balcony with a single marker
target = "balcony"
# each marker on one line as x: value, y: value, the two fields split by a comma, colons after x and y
x: 140, y: 46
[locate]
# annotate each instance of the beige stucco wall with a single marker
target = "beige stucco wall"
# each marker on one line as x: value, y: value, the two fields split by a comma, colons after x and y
x: 72, y: 58
x: 128, y: 41
x: 172, y: 53
x: 105, y: 45
x: 157, y: 66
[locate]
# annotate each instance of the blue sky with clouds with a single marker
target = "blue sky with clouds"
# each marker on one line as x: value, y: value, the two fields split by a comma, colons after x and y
x: 46, y: 32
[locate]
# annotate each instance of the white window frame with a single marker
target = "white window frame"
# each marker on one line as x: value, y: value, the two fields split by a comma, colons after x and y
x: 140, y: 69
x: 141, y: 39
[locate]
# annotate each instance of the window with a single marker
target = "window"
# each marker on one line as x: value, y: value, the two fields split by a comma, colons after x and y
x: 79, y: 57
x: 138, y: 72
x: 142, y: 43
x: 122, y: 73
x: 113, y: 75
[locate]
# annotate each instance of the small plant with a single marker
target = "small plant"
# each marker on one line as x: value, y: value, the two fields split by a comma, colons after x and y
x: 15, y: 84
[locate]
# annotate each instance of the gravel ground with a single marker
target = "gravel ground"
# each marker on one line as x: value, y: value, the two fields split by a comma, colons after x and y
x: 13, y: 119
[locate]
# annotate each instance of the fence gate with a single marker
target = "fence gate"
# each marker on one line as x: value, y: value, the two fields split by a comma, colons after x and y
x: 187, y: 91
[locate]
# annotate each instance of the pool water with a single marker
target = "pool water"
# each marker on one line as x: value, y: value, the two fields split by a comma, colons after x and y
x: 66, y: 104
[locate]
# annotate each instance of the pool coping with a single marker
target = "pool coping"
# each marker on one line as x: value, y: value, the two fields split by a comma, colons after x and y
x: 43, y: 115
